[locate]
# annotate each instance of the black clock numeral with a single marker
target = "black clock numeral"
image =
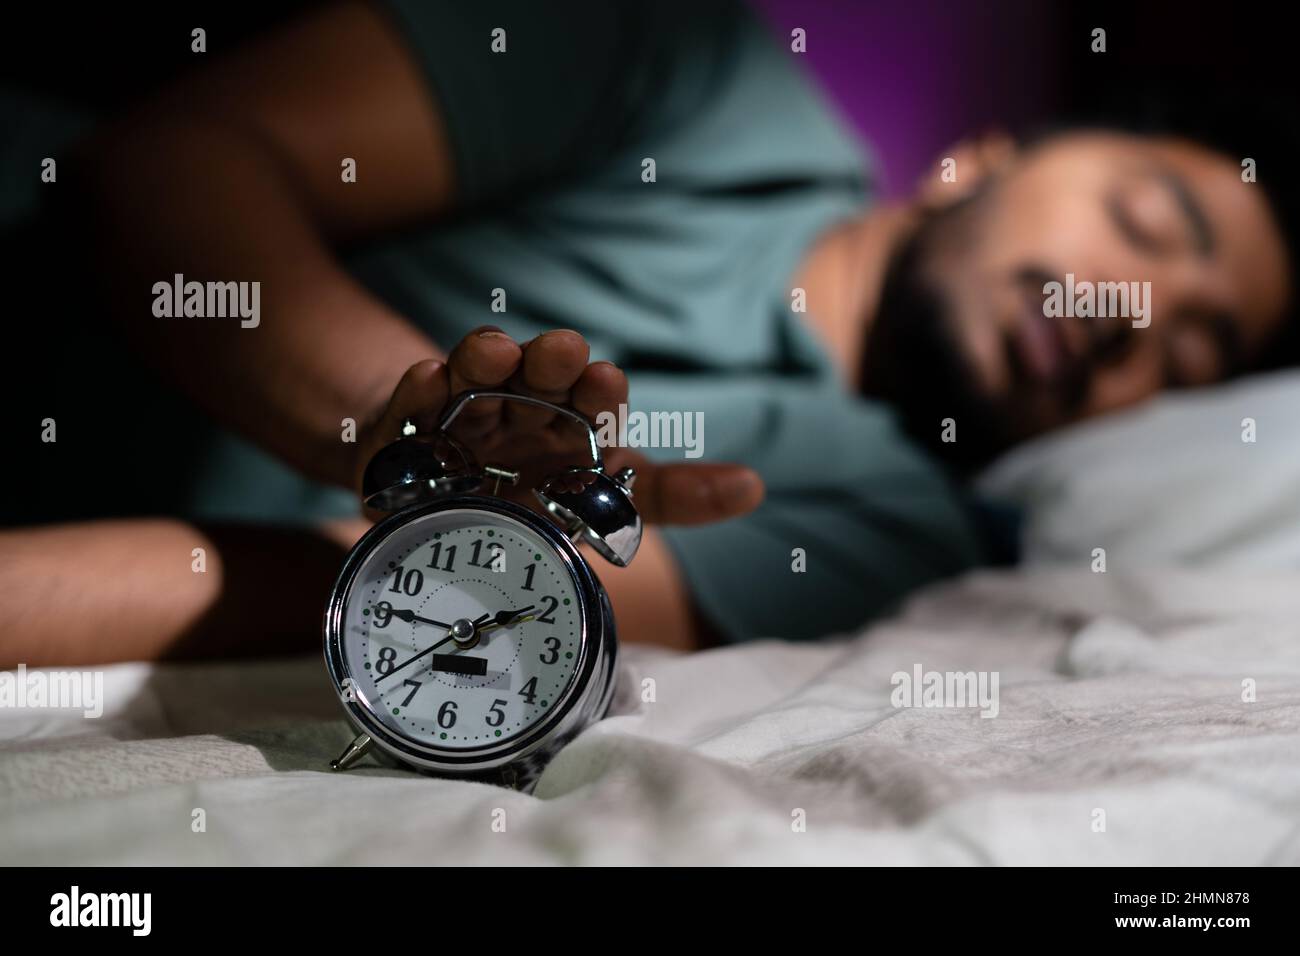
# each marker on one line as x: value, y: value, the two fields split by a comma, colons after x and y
x: 552, y: 649
x: 545, y: 616
x: 409, y: 582
x: 529, y: 571
x: 496, y: 711
x: 529, y: 691
x: 383, y: 614
x: 496, y: 551
x: 415, y: 686
x: 447, y: 715
x: 437, y: 556
x: 387, y: 657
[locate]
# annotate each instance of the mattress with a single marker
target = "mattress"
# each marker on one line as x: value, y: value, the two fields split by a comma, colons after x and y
x: 1138, y: 719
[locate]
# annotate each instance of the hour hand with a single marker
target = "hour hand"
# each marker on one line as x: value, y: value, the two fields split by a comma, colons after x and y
x: 409, y: 616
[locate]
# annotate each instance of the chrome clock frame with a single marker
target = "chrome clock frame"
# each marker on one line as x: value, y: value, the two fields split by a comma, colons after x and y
x: 518, y: 760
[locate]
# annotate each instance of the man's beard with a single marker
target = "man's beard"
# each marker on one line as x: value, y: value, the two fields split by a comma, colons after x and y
x: 914, y: 362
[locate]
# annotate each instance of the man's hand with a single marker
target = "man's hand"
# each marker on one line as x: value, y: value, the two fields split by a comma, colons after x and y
x: 536, y: 442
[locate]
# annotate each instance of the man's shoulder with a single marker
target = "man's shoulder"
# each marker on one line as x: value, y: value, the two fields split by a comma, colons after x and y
x: 727, y: 99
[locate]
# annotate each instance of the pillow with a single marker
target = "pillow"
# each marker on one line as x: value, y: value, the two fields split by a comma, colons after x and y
x: 1200, y: 477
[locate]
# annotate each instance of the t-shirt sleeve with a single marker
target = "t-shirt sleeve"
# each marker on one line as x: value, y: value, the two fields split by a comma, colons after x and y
x: 534, y: 92
x: 806, y: 566
x: 855, y: 517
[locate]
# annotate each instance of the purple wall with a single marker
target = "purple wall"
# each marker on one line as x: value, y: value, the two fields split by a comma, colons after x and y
x: 913, y: 77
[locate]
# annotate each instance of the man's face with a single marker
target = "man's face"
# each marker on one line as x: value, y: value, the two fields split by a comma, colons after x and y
x: 1105, y: 208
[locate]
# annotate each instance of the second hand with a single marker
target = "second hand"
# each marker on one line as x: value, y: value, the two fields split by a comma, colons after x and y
x: 429, y: 650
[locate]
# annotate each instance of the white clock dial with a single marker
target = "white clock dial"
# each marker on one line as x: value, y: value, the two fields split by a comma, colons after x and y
x: 462, y: 629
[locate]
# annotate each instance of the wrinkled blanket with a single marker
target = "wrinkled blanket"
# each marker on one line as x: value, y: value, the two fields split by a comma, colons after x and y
x: 1140, y: 719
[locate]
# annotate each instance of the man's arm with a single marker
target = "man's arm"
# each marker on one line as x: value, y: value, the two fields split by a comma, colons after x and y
x: 61, y: 608
x: 235, y: 175
x: 106, y: 591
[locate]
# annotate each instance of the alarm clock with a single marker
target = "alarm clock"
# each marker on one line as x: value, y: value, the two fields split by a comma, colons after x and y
x: 467, y: 636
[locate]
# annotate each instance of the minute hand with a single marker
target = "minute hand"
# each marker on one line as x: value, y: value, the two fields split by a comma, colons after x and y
x: 507, y: 619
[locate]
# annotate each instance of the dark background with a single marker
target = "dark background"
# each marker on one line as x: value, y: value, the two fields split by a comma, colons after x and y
x: 911, y: 75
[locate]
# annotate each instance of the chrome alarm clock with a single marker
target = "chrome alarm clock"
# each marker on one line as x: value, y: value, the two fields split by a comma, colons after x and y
x: 466, y: 635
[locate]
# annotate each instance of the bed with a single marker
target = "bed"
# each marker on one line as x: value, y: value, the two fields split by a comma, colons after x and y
x: 1122, y: 737
x: 1145, y: 714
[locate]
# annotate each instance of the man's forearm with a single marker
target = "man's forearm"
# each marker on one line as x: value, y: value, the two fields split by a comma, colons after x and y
x: 175, y: 590
x: 209, y: 199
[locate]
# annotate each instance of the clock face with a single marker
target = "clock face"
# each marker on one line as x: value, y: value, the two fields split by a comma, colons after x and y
x: 462, y: 629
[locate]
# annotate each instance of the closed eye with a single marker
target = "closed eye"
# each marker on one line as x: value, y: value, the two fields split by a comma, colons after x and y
x: 1194, y: 223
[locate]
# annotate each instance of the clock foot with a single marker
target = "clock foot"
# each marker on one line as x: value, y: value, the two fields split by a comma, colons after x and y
x: 356, y: 750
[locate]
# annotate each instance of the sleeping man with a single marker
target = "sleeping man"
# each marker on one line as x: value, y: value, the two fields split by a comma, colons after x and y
x: 638, y: 204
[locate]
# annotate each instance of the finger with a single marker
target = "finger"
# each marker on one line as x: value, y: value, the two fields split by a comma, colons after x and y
x: 419, y: 396
x: 602, y: 387
x: 551, y: 365
x: 485, y: 358
x: 689, y: 494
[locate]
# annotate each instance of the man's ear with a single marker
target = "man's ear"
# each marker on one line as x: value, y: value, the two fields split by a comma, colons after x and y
x: 964, y: 167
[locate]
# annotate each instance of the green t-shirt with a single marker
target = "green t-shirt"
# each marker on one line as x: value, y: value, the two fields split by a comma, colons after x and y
x: 683, y: 281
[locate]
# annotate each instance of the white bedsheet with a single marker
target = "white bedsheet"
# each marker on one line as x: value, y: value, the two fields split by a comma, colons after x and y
x: 1117, y: 693
x: 1170, y: 482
